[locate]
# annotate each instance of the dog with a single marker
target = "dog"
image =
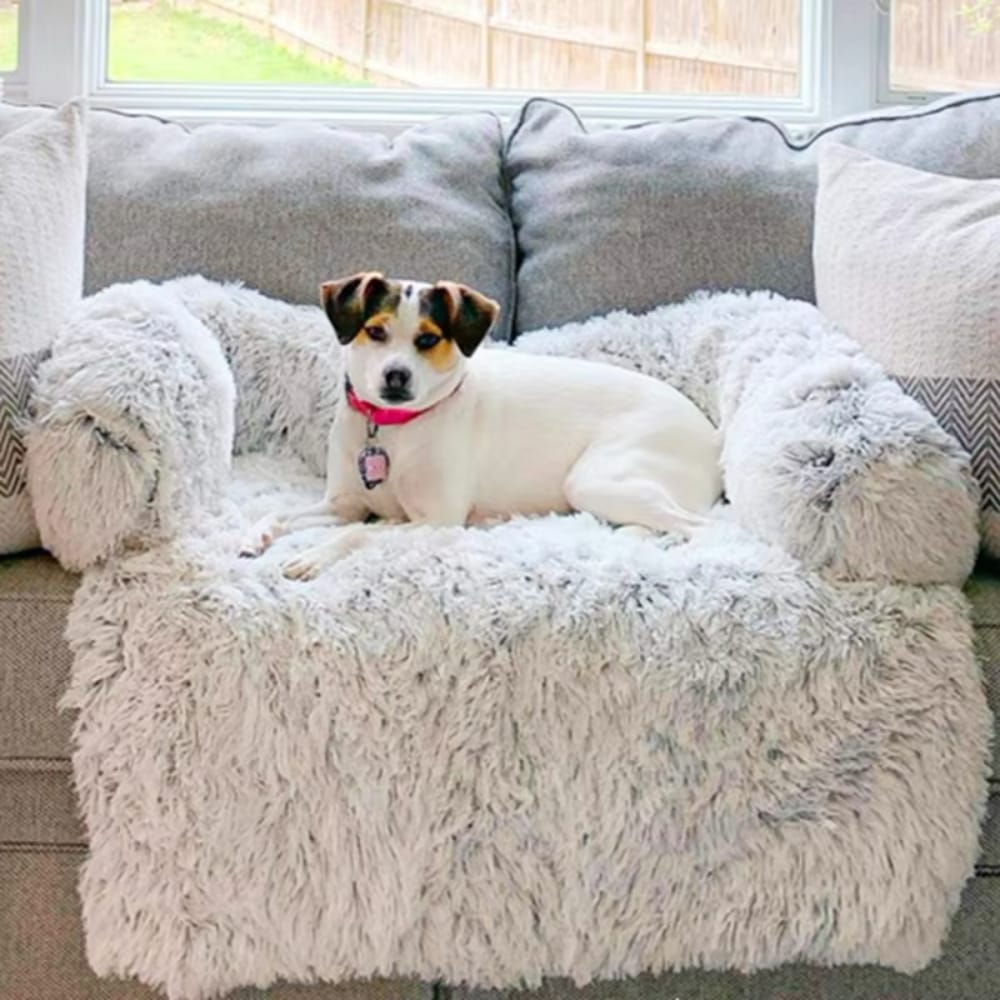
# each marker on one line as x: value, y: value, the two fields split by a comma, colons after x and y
x: 436, y: 432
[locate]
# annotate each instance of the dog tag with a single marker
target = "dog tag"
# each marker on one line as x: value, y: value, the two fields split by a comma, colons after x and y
x: 373, y: 466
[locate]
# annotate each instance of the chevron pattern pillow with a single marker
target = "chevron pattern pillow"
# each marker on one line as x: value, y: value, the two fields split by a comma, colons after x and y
x: 43, y: 174
x: 908, y: 263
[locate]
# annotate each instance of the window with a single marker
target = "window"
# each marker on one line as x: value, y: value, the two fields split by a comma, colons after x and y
x: 8, y: 35
x: 386, y: 63
x: 731, y: 47
x: 943, y: 45
x: 229, y: 41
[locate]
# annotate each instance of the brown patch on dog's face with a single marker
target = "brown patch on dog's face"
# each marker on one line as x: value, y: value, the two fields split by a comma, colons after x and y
x: 432, y: 345
x: 377, y: 328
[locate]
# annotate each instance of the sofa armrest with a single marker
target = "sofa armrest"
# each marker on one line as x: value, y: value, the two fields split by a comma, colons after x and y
x: 828, y: 457
x: 132, y: 426
x: 286, y: 365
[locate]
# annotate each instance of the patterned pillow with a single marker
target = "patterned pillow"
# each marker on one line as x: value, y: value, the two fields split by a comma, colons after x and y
x: 908, y: 263
x: 43, y: 173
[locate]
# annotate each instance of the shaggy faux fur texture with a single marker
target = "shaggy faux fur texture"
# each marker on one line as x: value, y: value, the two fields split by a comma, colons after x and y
x: 824, y: 455
x: 496, y: 754
x: 134, y: 422
x: 133, y: 428
x: 539, y: 748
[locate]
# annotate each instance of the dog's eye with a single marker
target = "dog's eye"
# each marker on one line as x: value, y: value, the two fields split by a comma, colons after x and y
x: 377, y: 333
x: 426, y: 341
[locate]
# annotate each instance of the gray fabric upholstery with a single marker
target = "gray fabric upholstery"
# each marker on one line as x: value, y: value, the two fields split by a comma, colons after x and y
x: 989, y: 842
x: 38, y: 804
x: 34, y: 658
x: 41, y: 944
x: 983, y: 591
x: 282, y: 209
x: 967, y: 970
x: 633, y: 218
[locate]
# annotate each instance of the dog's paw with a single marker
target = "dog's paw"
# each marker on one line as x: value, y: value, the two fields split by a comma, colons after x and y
x: 306, y: 566
x: 255, y: 545
x: 257, y: 540
x: 634, y: 531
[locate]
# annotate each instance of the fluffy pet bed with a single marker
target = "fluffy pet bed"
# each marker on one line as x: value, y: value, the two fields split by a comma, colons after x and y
x: 538, y: 748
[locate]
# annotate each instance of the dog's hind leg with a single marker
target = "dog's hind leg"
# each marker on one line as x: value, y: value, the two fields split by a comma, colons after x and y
x: 603, y: 485
x: 632, y: 503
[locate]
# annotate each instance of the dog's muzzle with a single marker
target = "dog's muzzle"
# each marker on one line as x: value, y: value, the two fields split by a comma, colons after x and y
x: 396, y: 385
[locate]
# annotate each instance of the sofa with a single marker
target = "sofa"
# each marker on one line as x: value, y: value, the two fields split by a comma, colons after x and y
x: 555, y: 222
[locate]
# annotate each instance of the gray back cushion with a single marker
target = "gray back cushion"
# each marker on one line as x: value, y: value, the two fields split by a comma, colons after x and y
x: 284, y: 208
x: 632, y: 218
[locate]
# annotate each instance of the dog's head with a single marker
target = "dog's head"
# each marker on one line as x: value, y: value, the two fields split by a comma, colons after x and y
x: 406, y: 341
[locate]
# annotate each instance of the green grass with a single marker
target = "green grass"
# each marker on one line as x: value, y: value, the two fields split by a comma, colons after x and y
x: 8, y: 39
x: 161, y: 44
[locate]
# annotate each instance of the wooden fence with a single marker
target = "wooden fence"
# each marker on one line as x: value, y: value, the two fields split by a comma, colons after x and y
x: 934, y: 47
x: 706, y: 46
x: 748, y: 47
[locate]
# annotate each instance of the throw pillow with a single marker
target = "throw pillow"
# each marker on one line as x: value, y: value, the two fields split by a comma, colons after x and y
x: 908, y: 262
x: 43, y: 171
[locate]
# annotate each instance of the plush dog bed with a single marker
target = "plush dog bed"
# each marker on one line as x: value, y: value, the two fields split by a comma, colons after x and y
x: 536, y: 748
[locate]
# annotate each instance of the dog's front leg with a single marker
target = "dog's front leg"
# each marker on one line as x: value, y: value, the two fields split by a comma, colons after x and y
x: 439, y: 511
x: 331, y: 510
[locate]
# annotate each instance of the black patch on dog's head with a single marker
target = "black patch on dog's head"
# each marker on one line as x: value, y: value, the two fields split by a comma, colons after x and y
x: 350, y: 302
x: 460, y: 313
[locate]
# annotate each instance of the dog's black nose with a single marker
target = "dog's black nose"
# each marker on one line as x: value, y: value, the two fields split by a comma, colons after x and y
x: 396, y: 379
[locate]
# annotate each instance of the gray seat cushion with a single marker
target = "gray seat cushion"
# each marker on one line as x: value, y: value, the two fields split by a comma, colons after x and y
x: 633, y: 218
x: 35, y: 595
x: 282, y: 209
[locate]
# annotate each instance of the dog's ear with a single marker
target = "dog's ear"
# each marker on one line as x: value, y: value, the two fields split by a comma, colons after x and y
x: 348, y: 302
x: 464, y: 315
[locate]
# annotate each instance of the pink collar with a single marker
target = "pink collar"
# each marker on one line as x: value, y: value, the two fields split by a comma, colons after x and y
x: 383, y: 416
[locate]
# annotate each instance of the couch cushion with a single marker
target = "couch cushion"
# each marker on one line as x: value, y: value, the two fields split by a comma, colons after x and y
x: 34, y: 659
x: 633, y: 218
x: 43, y: 182
x: 284, y: 208
x: 38, y: 804
x: 906, y: 262
x: 983, y: 591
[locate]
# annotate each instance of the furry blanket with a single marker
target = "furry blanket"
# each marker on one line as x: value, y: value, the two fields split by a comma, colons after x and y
x: 539, y: 748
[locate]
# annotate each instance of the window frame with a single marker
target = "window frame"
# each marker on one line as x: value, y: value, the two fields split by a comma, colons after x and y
x: 63, y: 53
x: 15, y: 80
x: 885, y: 92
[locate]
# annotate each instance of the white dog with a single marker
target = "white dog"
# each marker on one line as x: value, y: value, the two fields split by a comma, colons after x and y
x: 434, y: 433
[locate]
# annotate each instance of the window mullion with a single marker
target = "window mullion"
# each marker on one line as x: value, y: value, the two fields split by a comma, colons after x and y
x: 64, y: 46
x: 851, y: 54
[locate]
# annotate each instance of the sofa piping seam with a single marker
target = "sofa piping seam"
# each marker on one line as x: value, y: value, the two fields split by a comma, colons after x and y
x: 797, y: 147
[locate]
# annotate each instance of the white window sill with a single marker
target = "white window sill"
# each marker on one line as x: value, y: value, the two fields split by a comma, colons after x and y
x: 391, y: 112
